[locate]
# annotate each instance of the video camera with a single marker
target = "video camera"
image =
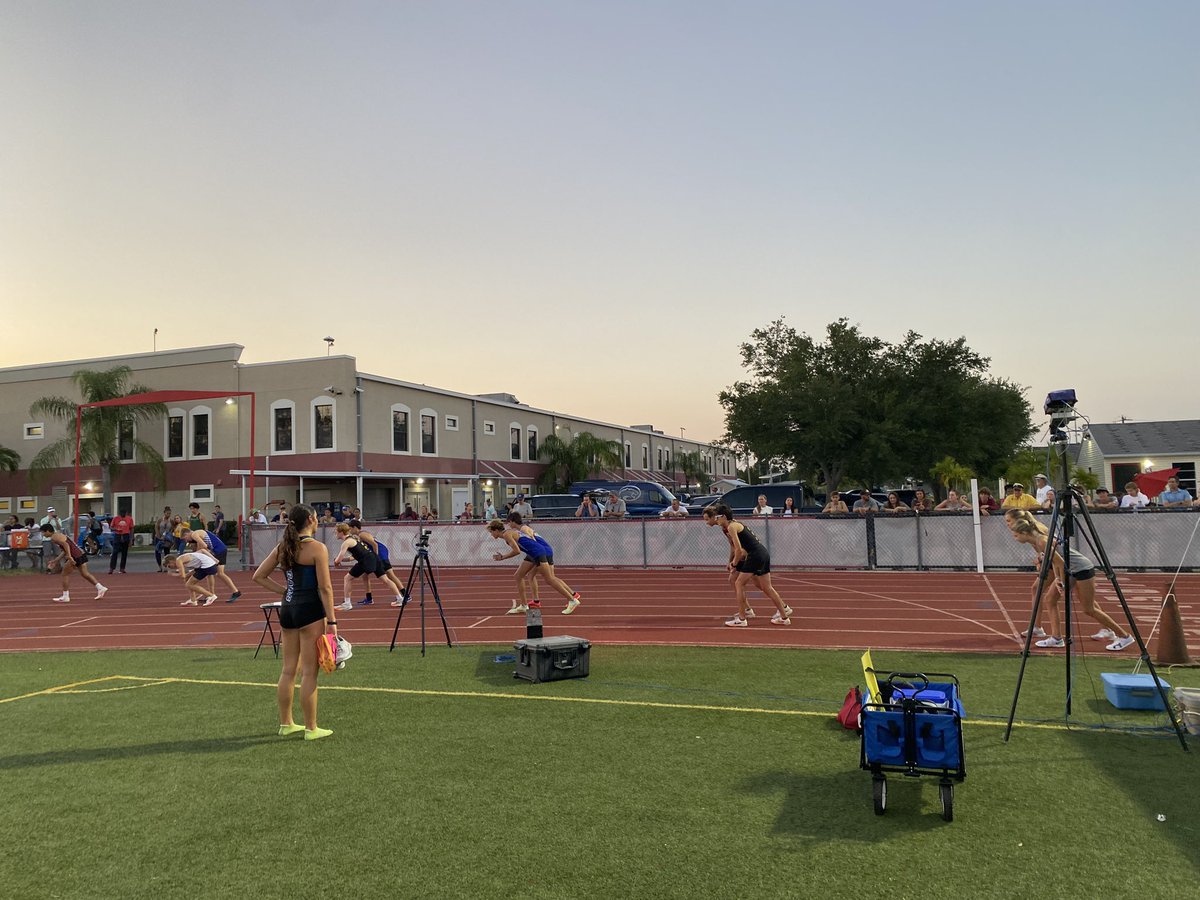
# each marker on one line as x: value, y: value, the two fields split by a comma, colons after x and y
x: 1060, y: 407
x: 423, y: 540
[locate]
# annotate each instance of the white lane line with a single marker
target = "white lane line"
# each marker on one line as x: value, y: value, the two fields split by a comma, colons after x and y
x: 80, y: 622
x: 480, y: 622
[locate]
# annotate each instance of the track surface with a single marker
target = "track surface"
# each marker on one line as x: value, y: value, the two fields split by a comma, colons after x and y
x: 884, y: 610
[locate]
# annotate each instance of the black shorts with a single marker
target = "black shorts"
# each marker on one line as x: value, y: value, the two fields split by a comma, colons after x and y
x: 755, y: 565
x: 1085, y: 575
x: 299, y: 614
x: 358, y: 571
x: 383, y: 566
x: 80, y: 560
x: 221, y: 557
x: 205, y: 573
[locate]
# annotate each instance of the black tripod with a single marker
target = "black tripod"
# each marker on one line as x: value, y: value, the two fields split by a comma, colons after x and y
x: 1065, y: 506
x: 422, y: 574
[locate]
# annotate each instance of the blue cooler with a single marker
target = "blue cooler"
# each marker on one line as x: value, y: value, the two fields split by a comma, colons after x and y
x: 1132, y: 691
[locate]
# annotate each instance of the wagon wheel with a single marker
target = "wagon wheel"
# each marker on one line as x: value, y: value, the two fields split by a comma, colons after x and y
x: 946, y: 789
x: 879, y: 793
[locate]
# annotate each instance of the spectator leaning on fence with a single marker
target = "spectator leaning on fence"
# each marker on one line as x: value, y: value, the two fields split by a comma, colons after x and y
x: 894, y: 504
x: 1134, y: 498
x: 761, y: 508
x: 1019, y: 499
x: 953, y: 503
x: 587, y: 508
x: 835, y: 505
x: 1043, y: 493
x: 614, y: 508
x: 1104, y: 500
x: 921, y: 503
x: 865, y: 503
x: 987, y: 503
x: 1174, y: 496
x: 674, y: 511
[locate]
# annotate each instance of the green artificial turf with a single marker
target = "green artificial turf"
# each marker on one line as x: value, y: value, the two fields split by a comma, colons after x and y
x: 179, y: 789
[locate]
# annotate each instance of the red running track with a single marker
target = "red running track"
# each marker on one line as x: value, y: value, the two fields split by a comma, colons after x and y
x: 886, y: 610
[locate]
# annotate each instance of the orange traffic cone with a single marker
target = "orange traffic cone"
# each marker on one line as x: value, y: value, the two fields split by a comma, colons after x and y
x: 1172, y: 647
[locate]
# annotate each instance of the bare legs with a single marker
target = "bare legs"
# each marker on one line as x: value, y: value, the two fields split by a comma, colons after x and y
x: 763, y: 583
x: 546, y: 571
x: 299, y: 652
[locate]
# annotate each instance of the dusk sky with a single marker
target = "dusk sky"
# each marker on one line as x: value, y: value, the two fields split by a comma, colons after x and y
x: 590, y: 205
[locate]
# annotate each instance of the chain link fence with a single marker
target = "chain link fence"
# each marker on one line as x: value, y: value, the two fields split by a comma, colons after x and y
x: 1154, y: 541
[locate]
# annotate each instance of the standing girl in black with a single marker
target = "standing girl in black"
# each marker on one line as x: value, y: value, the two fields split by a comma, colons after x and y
x: 305, y: 613
x: 752, y: 563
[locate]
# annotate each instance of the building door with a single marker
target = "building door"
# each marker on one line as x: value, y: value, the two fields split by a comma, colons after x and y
x: 1122, y: 473
x: 459, y: 497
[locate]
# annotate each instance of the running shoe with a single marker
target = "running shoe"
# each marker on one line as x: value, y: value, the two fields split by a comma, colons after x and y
x: 190, y: 603
x: 1037, y: 632
x: 291, y: 728
x: 777, y: 619
x: 1104, y: 634
x: 787, y: 611
x: 572, y: 605
x: 233, y: 597
x: 516, y: 608
x: 101, y: 590
x: 345, y: 607
x: 534, y: 604
x: 400, y: 601
x: 737, y: 622
x: 1120, y: 643
x: 62, y: 599
x: 210, y: 599
x: 1051, y: 642
x: 316, y: 734
x: 749, y: 613
x: 366, y: 602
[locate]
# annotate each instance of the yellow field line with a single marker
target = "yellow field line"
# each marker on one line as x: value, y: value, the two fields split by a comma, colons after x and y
x: 61, y: 687
x: 498, y: 695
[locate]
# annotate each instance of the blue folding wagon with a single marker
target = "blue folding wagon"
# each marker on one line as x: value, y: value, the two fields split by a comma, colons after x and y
x: 914, y: 728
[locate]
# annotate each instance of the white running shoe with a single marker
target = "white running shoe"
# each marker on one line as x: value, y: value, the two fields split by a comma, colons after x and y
x: 572, y: 605
x: 345, y: 607
x: 516, y: 608
x: 210, y: 599
x: 62, y: 599
x: 1120, y: 643
x: 787, y: 611
x: 777, y: 619
x: 749, y: 613
x: 1051, y: 642
x: 190, y: 603
x: 1037, y: 632
x: 1104, y: 634
x: 737, y: 622
x: 101, y: 590
x: 524, y: 607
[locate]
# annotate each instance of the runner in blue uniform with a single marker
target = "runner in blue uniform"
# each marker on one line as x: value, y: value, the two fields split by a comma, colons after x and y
x: 539, y: 559
x: 212, y: 543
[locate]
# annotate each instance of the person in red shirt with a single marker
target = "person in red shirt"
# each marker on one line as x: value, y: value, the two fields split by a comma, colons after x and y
x: 122, y: 531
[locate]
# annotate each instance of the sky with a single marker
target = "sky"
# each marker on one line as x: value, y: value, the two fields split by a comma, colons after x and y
x: 592, y: 205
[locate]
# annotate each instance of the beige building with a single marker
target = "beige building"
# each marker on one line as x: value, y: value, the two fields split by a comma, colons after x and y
x: 324, y: 432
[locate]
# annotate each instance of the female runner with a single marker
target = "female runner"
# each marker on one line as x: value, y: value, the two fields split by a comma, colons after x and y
x: 750, y: 560
x: 366, y: 564
x: 305, y: 612
x: 539, y: 560
x: 1081, y: 570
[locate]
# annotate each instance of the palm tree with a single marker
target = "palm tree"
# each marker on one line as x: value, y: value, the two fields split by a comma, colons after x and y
x: 691, y: 464
x: 950, y: 473
x: 10, y: 460
x: 102, y: 429
x: 584, y: 455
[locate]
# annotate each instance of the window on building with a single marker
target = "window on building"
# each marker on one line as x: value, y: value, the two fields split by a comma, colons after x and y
x: 283, y: 427
x: 658, y: 457
x: 175, y: 435
x: 201, y: 493
x: 514, y: 441
x: 645, y: 456
x: 125, y: 438
x: 428, y: 432
x: 322, y: 426
x: 666, y: 457
x: 628, y: 454
x: 533, y: 443
x: 35, y: 431
x: 452, y: 423
x: 6, y: 506
x: 27, y: 504
x: 489, y: 427
x: 400, y: 429
x: 200, y: 437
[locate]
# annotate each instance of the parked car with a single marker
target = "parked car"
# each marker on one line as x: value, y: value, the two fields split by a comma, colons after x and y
x: 642, y: 498
x: 554, y: 506
x: 743, y: 500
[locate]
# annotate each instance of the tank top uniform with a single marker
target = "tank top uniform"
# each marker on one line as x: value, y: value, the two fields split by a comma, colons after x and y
x: 365, y: 560
x: 215, y: 546
x: 77, y: 556
x: 384, y: 557
x: 1079, y: 566
x: 536, y: 549
x: 758, y: 560
x: 301, y: 603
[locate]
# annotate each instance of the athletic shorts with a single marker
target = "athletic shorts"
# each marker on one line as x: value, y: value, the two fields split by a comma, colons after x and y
x: 538, y: 560
x: 205, y: 573
x: 383, y: 566
x: 358, y: 571
x: 80, y: 560
x: 755, y: 565
x: 221, y: 557
x: 299, y: 614
x: 1085, y: 575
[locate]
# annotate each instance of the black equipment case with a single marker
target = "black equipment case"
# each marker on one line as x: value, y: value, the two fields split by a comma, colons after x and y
x: 552, y: 658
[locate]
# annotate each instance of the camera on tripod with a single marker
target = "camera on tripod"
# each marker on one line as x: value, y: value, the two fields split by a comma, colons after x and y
x: 423, y: 539
x: 1060, y: 407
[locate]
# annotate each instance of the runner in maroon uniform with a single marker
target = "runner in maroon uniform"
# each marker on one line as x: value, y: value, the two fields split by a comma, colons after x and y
x: 71, y: 557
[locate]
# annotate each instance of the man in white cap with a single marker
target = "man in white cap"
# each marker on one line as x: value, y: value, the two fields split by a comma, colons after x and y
x: 1044, y: 494
x: 52, y: 519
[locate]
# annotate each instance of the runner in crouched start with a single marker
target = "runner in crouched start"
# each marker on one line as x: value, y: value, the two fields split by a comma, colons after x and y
x: 384, y: 572
x: 539, y: 560
x: 366, y: 564
x: 70, y: 557
x: 212, y: 544
x: 752, y: 563
x: 198, y: 569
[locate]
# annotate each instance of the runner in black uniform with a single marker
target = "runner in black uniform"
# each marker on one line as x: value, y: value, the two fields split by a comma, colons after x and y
x: 366, y: 564
x: 305, y: 611
x: 385, y: 572
x: 750, y: 559
x: 71, y: 557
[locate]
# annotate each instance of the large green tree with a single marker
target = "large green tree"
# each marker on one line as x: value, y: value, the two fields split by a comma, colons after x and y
x: 574, y: 460
x: 102, y: 429
x: 858, y: 407
x: 10, y: 460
